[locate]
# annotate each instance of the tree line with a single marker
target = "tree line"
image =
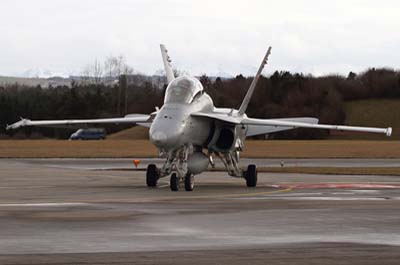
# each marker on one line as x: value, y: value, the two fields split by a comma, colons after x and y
x: 283, y: 94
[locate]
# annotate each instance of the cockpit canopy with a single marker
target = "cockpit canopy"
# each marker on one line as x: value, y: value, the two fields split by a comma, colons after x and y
x: 183, y: 90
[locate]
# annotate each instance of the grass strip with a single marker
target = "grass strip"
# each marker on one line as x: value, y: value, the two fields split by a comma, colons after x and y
x: 253, y: 149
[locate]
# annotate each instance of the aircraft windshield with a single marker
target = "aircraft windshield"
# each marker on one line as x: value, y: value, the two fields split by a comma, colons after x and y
x: 181, y: 91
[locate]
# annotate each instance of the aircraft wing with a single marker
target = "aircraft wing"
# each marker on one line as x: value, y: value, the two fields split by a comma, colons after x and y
x: 300, y: 124
x: 264, y: 126
x: 129, y: 119
x: 253, y: 130
x: 230, y: 116
x: 221, y: 116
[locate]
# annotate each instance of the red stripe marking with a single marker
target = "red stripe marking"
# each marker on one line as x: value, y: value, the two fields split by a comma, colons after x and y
x: 340, y: 186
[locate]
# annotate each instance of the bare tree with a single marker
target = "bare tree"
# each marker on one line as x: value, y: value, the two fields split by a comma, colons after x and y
x: 178, y: 72
x: 110, y: 72
x: 119, y: 60
x: 120, y: 64
x: 109, y: 66
x: 85, y: 75
x: 116, y: 66
x: 127, y: 70
x: 92, y: 73
x: 97, y: 72
x: 159, y: 79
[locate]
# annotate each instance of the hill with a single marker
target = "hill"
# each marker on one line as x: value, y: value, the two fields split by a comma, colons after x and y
x: 34, y: 81
x: 372, y: 113
x: 134, y: 133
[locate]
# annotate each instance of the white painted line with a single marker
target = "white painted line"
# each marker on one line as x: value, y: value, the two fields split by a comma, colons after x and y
x: 365, y: 191
x: 23, y: 187
x: 339, y: 198
x: 342, y: 193
x: 296, y: 194
x: 45, y: 204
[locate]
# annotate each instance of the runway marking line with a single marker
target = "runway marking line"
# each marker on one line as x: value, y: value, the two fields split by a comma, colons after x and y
x: 87, y: 203
x: 217, y: 196
x: 44, y: 204
x: 340, y: 186
x: 283, y: 188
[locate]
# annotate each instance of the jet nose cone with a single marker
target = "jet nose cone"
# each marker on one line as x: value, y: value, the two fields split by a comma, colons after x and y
x: 159, y: 137
x: 165, y: 139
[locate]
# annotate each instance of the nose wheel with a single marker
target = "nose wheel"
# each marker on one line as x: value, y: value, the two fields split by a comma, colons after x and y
x: 175, y: 181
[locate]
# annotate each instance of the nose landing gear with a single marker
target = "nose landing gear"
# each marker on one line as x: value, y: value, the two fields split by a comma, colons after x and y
x: 175, y: 166
x: 175, y: 182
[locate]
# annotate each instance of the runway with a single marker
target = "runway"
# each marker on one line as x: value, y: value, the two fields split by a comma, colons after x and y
x: 66, y: 211
x: 124, y: 163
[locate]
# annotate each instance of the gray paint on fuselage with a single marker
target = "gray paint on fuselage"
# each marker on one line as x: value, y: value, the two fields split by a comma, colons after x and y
x: 173, y: 126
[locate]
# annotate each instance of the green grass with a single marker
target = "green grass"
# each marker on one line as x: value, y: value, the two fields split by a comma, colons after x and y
x: 372, y: 113
x: 253, y: 149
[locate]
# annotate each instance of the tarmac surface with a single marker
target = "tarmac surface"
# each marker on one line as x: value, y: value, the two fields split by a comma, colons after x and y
x: 67, y: 211
x: 124, y: 163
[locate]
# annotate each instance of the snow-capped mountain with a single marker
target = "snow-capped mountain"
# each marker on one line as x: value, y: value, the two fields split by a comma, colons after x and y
x: 41, y: 73
x: 223, y: 74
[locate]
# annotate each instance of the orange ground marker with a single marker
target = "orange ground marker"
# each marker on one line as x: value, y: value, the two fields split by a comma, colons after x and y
x: 136, y: 162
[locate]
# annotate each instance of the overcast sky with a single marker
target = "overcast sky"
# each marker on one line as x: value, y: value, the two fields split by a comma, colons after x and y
x: 202, y: 36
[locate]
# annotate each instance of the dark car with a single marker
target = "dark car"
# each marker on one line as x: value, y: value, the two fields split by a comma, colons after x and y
x: 89, y: 134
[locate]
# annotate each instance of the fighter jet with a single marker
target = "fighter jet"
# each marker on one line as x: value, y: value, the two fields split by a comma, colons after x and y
x: 188, y: 130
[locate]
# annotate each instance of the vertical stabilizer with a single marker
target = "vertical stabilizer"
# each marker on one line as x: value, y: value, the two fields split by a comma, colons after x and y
x: 250, y: 92
x: 167, y: 64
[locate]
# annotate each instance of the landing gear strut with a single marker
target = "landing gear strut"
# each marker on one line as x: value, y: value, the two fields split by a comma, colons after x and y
x: 251, y: 176
x: 152, y: 175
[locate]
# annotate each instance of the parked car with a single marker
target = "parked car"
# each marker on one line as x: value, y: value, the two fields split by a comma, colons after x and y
x: 89, y: 134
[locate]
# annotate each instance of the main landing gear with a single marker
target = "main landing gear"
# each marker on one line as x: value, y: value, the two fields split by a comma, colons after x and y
x: 231, y: 163
x: 152, y: 175
x: 251, y: 176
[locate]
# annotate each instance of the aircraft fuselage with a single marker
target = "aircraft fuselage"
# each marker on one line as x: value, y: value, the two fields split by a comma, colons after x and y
x: 173, y: 127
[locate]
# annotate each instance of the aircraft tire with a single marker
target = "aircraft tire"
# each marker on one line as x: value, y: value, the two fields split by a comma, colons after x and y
x: 251, y: 176
x: 189, y: 182
x: 151, y: 175
x: 174, y: 182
